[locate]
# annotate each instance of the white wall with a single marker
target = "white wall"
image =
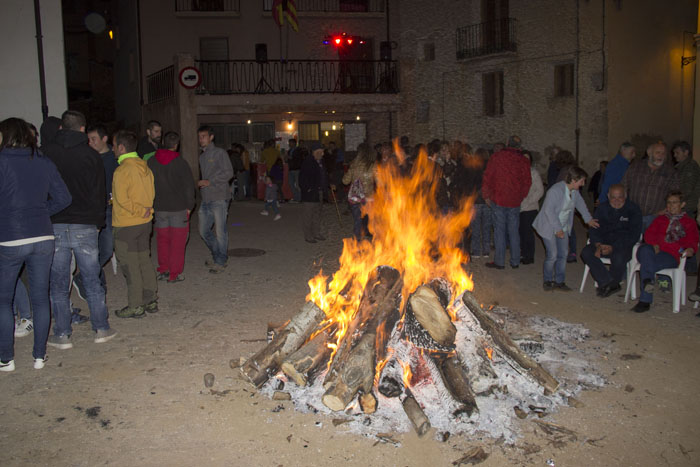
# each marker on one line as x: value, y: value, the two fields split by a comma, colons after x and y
x: 20, y: 93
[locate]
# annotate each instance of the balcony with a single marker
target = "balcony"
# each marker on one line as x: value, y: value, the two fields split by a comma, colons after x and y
x: 298, y: 77
x: 206, y: 7
x: 488, y: 38
x: 161, y: 85
x: 333, y: 6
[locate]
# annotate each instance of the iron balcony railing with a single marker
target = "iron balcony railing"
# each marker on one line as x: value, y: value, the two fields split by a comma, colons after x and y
x: 330, y: 6
x: 298, y: 76
x: 161, y: 85
x: 207, y: 5
x: 486, y: 38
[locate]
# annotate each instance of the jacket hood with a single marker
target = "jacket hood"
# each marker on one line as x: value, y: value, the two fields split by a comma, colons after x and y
x: 49, y: 129
x: 165, y: 156
x: 138, y: 163
x: 70, y: 138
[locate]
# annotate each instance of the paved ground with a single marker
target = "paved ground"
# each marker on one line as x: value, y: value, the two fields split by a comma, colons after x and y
x: 140, y: 399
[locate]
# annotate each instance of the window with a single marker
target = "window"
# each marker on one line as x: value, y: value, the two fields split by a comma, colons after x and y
x: 429, y: 52
x: 309, y: 131
x: 564, y: 80
x: 213, y: 51
x: 492, y: 85
x: 263, y: 131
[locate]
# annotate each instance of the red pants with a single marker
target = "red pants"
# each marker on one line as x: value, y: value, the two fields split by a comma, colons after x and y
x: 171, y: 249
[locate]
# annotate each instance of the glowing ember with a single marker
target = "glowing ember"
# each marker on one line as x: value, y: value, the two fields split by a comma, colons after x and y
x: 410, y: 234
x: 406, y: 374
x: 489, y: 352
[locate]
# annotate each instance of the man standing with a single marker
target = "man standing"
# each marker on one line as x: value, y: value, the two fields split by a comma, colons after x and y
x: 616, y: 169
x: 649, y: 181
x: 216, y: 171
x: 689, y: 173
x: 313, y: 181
x: 133, y: 192
x: 506, y: 183
x: 620, y: 228
x: 151, y: 142
x: 76, y: 230
x: 173, y: 203
x: 295, y: 161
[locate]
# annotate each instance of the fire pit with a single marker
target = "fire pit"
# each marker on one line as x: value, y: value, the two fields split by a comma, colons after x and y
x: 397, y: 339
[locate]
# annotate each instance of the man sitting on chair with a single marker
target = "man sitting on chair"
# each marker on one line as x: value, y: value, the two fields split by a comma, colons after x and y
x: 620, y: 227
x: 670, y: 236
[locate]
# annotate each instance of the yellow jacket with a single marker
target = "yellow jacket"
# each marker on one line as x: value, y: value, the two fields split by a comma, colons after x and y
x: 133, y: 192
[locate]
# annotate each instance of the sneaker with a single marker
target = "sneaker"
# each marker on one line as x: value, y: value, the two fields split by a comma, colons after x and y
x: 61, y: 342
x: 151, y: 307
x: 493, y: 265
x: 277, y: 217
x: 664, y: 285
x: 78, y: 285
x: 163, y: 276
x: 178, y: 278
x: 7, y: 366
x: 103, y: 335
x: 217, y: 268
x: 40, y: 362
x: 562, y: 287
x: 264, y: 213
x: 641, y: 307
x: 128, y: 312
x: 24, y: 327
x: 695, y: 295
x: 475, y: 256
x: 571, y: 258
x: 548, y: 286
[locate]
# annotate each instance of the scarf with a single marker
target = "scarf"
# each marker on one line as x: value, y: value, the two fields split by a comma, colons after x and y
x: 674, y: 231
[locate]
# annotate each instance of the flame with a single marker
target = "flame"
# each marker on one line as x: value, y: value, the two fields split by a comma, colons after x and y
x: 410, y: 234
x: 489, y: 352
x: 406, y: 374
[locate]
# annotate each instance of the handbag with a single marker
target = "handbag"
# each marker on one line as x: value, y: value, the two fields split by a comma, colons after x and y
x: 356, y: 194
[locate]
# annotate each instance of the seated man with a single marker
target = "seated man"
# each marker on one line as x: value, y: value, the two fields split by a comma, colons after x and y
x: 671, y: 235
x: 620, y: 227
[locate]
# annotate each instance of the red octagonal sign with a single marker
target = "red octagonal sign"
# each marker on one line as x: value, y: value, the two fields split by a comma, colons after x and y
x: 190, y: 77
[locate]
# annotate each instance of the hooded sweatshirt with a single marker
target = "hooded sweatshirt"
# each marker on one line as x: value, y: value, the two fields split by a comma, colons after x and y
x: 83, y: 172
x: 173, y: 181
x: 132, y: 192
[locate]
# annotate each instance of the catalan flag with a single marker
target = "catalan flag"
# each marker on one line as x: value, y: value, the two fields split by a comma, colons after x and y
x: 282, y: 9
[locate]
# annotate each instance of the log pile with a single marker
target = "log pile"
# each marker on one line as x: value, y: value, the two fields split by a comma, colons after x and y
x: 364, y: 366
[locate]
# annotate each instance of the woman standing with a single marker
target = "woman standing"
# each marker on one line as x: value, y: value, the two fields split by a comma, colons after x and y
x: 528, y: 211
x: 31, y: 190
x: 360, y: 177
x: 554, y: 223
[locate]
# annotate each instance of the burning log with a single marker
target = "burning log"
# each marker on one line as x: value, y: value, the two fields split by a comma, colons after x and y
x: 302, y: 364
x: 420, y: 421
x: 510, y: 348
x: 354, y: 369
x: 456, y: 380
x: 264, y: 364
x: 427, y: 323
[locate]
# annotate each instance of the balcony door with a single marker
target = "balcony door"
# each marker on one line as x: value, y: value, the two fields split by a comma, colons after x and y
x: 213, y: 51
x: 494, y: 16
x: 356, y: 67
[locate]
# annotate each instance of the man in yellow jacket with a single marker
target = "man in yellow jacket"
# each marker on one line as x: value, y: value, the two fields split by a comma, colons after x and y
x: 133, y: 192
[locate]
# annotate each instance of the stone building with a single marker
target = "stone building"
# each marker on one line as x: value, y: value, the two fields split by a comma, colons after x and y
x: 584, y: 75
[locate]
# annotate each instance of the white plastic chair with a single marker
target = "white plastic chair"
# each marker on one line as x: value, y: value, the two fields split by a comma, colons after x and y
x: 678, y: 280
x: 607, y: 262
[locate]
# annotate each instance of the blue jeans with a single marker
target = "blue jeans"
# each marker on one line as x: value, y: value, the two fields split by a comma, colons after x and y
x: 272, y: 206
x: 243, y: 181
x: 506, y: 221
x: 21, y: 302
x: 38, y: 257
x: 649, y: 263
x: 481, y: 230
x: 359, y: 222
x: 81, y: 241
x: 294, y: 184
x: 105, y: 240
x: 554, y: 267
x: 214, y: 214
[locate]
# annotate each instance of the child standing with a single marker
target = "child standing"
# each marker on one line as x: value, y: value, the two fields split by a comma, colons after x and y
x: 271, y: 199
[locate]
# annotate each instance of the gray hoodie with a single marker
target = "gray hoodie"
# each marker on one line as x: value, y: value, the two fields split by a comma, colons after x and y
x: 215, y: 166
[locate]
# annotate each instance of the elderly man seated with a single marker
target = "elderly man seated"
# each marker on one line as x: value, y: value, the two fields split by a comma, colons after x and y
x: 620, y: 227
x: 671, y: 235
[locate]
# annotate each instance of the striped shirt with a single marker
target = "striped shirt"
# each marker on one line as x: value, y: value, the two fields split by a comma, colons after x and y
x: 648, y: 188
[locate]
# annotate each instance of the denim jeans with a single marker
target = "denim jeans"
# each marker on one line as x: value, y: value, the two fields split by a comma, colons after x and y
x: 79, y: 240
x: 294, y: 185
x: 243, y: 182
x: 272, y: 206
x: 554, y: 267
x: 359, y: 222
x: 105, y: 245
x: 38, y: 257
x: 506, y: 221
x: 649, y: 263
x: 21, y: 302
x: 527, y: 235
x: 481, y: 230
x: 214, y: 214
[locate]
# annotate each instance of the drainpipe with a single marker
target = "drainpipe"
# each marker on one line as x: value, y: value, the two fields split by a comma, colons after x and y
x: 40, y: 56
x: 578, y: 55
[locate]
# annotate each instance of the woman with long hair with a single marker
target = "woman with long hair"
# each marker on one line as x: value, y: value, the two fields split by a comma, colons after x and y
x: 360, y: 176
x: 31, y: 190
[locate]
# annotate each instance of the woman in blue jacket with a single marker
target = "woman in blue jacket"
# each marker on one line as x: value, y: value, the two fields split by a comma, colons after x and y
x: 31, y: 190
x: 554, y: 223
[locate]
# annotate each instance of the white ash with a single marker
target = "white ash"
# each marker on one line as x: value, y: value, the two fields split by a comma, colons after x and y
x: 564, y: 352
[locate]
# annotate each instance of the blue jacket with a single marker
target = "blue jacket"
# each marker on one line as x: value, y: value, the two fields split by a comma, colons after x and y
x: 613, y: 174
x: 620, y: 228
x: 31, y: 190
x: 547, y: 222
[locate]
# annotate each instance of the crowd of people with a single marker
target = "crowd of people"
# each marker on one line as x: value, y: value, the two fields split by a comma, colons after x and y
x: 70, y: 203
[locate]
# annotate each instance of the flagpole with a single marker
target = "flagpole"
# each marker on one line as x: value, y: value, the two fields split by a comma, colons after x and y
x: 287, y: 45
x: 281, y: 55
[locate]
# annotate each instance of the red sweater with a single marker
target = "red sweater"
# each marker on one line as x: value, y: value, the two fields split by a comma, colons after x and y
x: 656, y: 235
x: 507, y: 178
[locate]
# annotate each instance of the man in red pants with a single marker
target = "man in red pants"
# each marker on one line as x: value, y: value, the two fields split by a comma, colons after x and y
x: 173, y: 203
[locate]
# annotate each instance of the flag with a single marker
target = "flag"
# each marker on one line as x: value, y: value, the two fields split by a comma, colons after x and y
x: 282, y: 9
x: 277, y: 12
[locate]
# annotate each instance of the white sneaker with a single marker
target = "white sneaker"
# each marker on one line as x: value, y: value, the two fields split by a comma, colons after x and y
x: 277, y: 217
x: 24, y: 327
x: 7, y: 366
x: 40, y: 362
x: 103, y: 335
x: 264, y: 213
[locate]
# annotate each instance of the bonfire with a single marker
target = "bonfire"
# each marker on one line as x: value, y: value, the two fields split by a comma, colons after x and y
x: 397, y: 329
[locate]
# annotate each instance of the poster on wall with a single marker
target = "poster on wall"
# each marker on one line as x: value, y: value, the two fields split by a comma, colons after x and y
x: 355, y: 133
